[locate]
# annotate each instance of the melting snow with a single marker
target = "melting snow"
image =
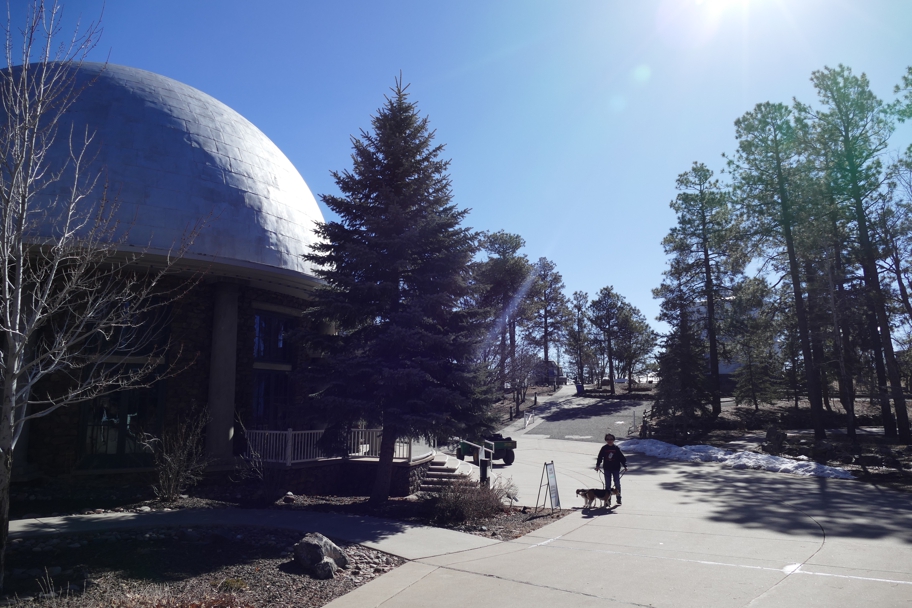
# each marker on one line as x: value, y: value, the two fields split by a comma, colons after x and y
x: 735, y: 460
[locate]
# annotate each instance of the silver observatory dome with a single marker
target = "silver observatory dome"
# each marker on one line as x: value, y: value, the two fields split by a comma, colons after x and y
x: 173, y: 155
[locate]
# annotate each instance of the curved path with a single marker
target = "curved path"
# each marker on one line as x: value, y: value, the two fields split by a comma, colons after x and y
x: 688, y: 535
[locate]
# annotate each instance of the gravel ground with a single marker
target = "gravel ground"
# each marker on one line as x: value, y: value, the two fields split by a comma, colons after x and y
x: 249, y: 566
x: 233, y: 566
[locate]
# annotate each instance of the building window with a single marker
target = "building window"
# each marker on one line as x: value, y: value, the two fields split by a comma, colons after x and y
x: 270, y: 398
x: 272, y: 358
x: 270, y: 341
x: 115, y: 429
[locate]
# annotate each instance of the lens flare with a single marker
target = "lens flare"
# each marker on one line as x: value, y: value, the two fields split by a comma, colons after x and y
x: 687, y: 24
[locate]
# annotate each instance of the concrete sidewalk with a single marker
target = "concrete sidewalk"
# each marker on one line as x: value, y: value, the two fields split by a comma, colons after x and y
x: 409, y: 541
x: 688, y: 535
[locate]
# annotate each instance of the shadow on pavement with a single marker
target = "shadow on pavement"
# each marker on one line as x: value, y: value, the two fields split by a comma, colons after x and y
x: 783, y: 502
x: 351, y: 528
x: 602, y: 407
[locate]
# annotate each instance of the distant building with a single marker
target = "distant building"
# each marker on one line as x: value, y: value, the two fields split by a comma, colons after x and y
x: 547, y: 373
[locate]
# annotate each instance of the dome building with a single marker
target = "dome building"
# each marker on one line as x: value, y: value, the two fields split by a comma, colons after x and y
x: 172, y: 156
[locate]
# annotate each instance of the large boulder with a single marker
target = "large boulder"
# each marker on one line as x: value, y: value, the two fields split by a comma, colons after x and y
x: 319, y: 556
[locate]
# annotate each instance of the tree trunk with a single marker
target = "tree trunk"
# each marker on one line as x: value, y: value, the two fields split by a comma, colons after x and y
x: 503, y: 350
x: 709, y: 289
x: 811, y: 375
x: 545, y: 337
x: 514, y: 381
x: 903, y: 291
x: 872, y: 281
x: 610, y: 360
x: 889, y: 423
x: 753, y: 382
x: 793, y: 375
x: 6, y: 472
x: 810, y: 372
x: 816, y: 331
x: 381, y: 490
x: 883, y: 334
x: 841, y: 345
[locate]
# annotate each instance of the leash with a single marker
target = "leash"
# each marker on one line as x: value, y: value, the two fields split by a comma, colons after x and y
x: 601, y: 473
x: 604, y: 477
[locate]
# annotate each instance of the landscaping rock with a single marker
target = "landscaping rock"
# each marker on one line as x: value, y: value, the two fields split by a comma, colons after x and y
x: 319, y: 556
x: 774, y: 440
x: 869, y: 460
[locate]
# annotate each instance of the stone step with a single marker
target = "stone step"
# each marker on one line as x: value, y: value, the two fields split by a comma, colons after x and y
x: 443, y: 470
x: 442, y: 474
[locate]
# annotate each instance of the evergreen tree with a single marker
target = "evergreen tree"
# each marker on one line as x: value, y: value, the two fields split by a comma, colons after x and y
x: 578, y: 341
x: 751, y: 329
x: 549, y: 307
x: 681, y: 393
x: 635, y: 342
x: 709, y: 252
x: 855, y: 127
x: 505, y: 277
x: 603, y: 312
x: 397, y: 272
x: 771, y: 177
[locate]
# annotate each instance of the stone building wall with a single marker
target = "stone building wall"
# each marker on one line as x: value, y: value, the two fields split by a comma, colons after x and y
x: 343, y: 477
x: 55, y: 441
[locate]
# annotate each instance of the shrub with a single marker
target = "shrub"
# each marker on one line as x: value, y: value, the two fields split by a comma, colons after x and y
x: 180, y: 457
x: 268, y: 481
x: 466, y: 500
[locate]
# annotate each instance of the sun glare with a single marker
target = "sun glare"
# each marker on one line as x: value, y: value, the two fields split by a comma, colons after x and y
x: 715, y: 8
x: 693, y: 23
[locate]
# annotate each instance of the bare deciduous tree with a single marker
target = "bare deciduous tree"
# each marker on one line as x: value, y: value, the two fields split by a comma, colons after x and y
x: 73, y: 306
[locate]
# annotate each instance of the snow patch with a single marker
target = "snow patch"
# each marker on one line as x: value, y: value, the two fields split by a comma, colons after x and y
x: 734, y: 460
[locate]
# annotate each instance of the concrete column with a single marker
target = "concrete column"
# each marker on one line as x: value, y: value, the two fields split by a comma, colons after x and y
x: 222, y: 371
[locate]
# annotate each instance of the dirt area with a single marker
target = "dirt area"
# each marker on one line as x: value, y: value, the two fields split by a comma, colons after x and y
x: 230, y: 566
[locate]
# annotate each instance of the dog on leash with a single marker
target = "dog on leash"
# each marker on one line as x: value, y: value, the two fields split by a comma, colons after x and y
x: 593, y: 494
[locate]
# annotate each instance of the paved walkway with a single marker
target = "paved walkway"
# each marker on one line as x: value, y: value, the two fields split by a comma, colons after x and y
x: 688, y: 535
x: 397, y: 538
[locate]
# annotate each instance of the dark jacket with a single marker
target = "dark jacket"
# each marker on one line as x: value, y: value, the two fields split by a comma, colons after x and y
x: 612, y: 457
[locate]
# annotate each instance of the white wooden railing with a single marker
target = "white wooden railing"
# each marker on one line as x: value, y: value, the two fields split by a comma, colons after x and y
x: 291, y: 447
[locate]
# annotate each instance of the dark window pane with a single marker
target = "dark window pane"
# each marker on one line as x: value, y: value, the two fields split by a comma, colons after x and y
x: 270, y: 398
x: 114, y: 427
x: 270, y: 337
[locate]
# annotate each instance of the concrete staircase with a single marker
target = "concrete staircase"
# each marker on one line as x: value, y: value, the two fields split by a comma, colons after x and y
x: 444, y: 469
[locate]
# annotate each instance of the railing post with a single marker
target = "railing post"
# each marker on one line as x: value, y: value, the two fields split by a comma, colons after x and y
x: 288, y: 447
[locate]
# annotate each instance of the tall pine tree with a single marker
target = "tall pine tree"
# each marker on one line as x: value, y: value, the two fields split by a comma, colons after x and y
x: 710, y: 254
x: 396, y: 267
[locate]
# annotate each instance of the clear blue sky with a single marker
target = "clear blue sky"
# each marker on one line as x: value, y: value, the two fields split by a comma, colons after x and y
x: 566, y: 122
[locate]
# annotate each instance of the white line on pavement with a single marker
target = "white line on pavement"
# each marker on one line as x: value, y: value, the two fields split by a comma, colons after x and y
x: 787, y: 570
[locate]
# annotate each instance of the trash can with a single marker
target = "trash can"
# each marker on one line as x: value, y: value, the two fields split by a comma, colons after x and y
x: 579, y: 389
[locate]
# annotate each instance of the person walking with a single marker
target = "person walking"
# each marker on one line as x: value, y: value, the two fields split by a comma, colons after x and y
x: 613, y: 459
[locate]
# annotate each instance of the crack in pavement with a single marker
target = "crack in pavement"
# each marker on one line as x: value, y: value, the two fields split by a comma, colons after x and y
x: 794, y: 568
x: 549, y: 587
